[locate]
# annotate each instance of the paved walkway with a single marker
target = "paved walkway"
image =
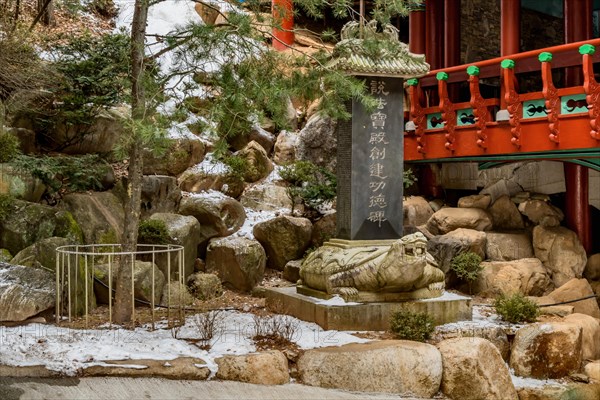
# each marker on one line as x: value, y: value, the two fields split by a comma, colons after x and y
x: 155, y: 388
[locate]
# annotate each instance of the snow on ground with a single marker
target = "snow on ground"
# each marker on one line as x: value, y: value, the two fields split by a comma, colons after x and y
x: 70, y: 350
x: 521, y: 382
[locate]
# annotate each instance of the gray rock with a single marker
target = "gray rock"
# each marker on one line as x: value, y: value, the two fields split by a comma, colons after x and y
x: 401, y: 367
x: 180, y: 154
x: 508, y: 246
x: 475, y: 201
x: 183, y: 230
x: 291, y: 271
x: 576, y: 289
x: 526, y: 276
x: 547, y: 350
x: 265, y: 368
x: 285, y: 148
x: 284, y: 239
x: 28, y: 223
x: 263, y: 137
x: 561, y: 253
x: 505, y: 215
x: 259, y: 165
x: 239, y: 262
x: 20, y: 184
x: 592, y: 267
x: 541, y: 213
x: 474, y: 370
x: 218, y: 214
x: 160, y: 194
x: 99, y: 214
x: 198, y: 180
x: 205, y: 286
x: 266, y: 197
x: 448, y: 219
x: 142, y: 280
x: 417, y: 211
x: 317, y: 142
x: 25, y: 292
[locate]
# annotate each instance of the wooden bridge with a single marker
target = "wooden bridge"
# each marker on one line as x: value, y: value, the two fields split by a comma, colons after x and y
x: 552, y: 123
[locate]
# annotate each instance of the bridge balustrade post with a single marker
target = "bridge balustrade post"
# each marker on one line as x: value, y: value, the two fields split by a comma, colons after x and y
x: 417, y: 114
x: 448, y: 113
x: 513, y: 103
x: 591, y: 88
x: 551, y: 95
x: 479, y: 108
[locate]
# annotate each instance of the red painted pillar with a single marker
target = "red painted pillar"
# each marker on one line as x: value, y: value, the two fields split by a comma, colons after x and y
x: 416, y: 31
x: 434, y: 34
x: 283, y: 16
x: 452, y: 32
x: 577, y: 211
x: 510, y: 33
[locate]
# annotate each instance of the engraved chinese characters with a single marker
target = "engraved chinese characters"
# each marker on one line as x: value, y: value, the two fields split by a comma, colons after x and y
x: 370, y: 165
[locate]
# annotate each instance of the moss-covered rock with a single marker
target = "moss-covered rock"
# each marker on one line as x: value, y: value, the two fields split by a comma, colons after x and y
x: 27, y: 223
x: 96, y: 213
x: 5, y: 255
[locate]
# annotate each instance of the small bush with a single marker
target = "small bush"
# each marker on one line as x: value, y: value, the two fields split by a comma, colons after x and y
x: 209, y: 325
x: 467, y: 267
x: 516, y: 308
x: 412, y: 326
x: 152, y: 231
x: 309, y: 183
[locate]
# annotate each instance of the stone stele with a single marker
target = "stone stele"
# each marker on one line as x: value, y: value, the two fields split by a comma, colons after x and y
x: 369, y: 271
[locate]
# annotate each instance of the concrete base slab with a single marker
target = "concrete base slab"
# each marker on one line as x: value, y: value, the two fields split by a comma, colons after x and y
x: 448, y: 308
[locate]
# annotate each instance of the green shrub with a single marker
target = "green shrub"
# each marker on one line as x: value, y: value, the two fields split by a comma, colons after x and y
x: 309, y: 183
x: 467, y: 267
x: 408, y: 178
x: 516, y: 308
x: 152, y: 231
x: 412, y: 326
x: 65, y: 173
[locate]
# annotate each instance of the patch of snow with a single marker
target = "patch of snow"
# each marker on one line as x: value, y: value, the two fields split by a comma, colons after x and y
x: 447, y: 296
x: 521, y: 382
x: 274, y: 175
x: 254, y: 217
x: 69, y: 350
x: 337, y: 300
x: 211, y: 166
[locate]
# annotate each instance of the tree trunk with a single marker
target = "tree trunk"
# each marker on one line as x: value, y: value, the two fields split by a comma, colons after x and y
x: 46, y: 9
x: 123, y: 300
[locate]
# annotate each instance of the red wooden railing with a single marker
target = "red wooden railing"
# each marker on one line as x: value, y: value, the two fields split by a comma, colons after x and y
x: 526, y: 122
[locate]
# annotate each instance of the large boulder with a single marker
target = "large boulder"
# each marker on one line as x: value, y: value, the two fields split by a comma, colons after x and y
x: 258, y: 163
x: 392, y: 366
x: 143, y: 271
x: 577, y: 289
x: 448, y: 219
x: 239, y: 262
x: 284, y: 239
x: 547, y: 350
x: 211, y: 175
x: 41, y: 254
x: 561, y: 253
x: 465, y: 329
x: 590, y: 329
x: 317, y: 142
x: 183, y: 230
x: 99, y: 214
x: 526, y: 276
x: 160, y: 194
x: 475, y: 201
x: 266, y: 197
x: 266, y: 368
x: 219, y: 215
x: 592, y: 370
x: 28, y: 223
x: 417, y: 210
x: 541, y: 213
x: 505, y: 214
x: 474, y: 370
x: 180, y: 154
x: 508, y: 246
x: 25, y: 292
x: 20, y: 184
x: 285, y: 148
x: 592, y: 268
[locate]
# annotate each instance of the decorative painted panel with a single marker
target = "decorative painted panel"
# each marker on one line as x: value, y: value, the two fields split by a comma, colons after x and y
x: 534, y: 109
x: 434, y: 121
x: 573, y: 104
x: 465, y: 117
